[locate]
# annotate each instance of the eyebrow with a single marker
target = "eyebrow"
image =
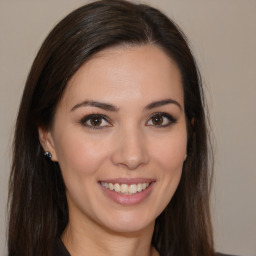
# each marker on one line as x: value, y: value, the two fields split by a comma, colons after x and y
x: 112, y: 108
x: 96, y: 104
x: 160, y: 103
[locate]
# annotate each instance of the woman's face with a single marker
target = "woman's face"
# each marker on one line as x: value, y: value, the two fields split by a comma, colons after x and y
x: 120, y: 138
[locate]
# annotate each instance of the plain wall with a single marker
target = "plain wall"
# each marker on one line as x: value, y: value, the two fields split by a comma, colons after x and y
x: 222, y: 34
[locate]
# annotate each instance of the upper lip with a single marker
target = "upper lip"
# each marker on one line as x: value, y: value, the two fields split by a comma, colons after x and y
x: 128, y: 181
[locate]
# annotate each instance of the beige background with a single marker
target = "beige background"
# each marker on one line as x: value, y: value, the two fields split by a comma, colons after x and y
x: 222, y: 34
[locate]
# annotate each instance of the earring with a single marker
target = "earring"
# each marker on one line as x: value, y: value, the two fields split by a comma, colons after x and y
x: 48, y: 155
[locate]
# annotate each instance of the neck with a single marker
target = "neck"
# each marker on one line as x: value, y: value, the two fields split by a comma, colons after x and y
x: 82, y: 240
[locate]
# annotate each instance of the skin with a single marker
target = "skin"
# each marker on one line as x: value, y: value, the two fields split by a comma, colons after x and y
x: 128, y: 144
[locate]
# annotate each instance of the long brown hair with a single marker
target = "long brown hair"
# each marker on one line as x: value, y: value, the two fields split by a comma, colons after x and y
x: 38, y: 205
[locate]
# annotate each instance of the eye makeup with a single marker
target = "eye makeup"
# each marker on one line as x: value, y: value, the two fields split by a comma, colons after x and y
x: 161, y: 120
x: 95, y: 121
x: 100, y: 121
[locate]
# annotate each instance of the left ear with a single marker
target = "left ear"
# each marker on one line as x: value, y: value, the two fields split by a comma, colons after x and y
x: 47, y: 142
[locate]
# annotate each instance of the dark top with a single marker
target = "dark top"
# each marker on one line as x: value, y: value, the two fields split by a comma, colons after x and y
x: 60, y: 250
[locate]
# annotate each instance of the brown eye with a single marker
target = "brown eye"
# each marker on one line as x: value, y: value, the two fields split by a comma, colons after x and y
x: 95, y: 121
x: 161, y: 120
x: 157, y: 120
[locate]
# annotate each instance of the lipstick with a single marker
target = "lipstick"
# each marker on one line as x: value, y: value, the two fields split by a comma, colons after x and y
x: 127, y: 191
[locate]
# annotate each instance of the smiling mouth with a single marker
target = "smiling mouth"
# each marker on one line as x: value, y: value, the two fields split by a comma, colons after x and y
x: 125, y: 189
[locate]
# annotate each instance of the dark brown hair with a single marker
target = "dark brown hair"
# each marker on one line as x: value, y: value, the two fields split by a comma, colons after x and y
x: 38, y: 205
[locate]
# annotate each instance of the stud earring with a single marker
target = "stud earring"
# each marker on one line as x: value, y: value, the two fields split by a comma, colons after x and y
x: 48, y: 155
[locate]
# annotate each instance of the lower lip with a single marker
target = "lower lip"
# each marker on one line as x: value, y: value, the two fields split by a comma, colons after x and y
x: 128, y: 199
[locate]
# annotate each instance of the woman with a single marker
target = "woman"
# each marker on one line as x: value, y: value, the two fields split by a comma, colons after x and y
x: 110, y: 149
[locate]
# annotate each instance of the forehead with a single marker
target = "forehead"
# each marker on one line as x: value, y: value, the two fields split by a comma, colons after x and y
x: 129, y: 72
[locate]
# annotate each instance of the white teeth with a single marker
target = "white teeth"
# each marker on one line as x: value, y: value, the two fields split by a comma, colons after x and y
x: 117, y: 187
x: 125, y: 188
x: 139, y: 186
x: 133, y: 189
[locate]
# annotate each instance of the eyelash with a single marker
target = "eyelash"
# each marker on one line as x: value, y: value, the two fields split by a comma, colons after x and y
x: 170, y: 120
x: 87, y: 118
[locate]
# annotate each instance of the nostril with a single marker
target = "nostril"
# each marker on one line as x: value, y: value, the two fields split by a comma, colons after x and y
x: 130, y: 151
x: 130, y: 162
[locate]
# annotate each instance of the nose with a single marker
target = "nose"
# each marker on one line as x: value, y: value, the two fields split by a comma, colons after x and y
x: 131, y: 150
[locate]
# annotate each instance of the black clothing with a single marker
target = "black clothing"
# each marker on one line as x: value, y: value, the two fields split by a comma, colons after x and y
x: 60, y: 250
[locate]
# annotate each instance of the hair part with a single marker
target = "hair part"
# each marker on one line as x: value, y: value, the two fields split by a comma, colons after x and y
x: 38, y: 205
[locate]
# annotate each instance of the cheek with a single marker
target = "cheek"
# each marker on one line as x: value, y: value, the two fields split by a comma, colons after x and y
x: 168, y: 158
x: 170, y: 154
x: 80, y: 155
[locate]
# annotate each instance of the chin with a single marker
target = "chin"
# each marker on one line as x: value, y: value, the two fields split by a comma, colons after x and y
x: 127, y: 222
